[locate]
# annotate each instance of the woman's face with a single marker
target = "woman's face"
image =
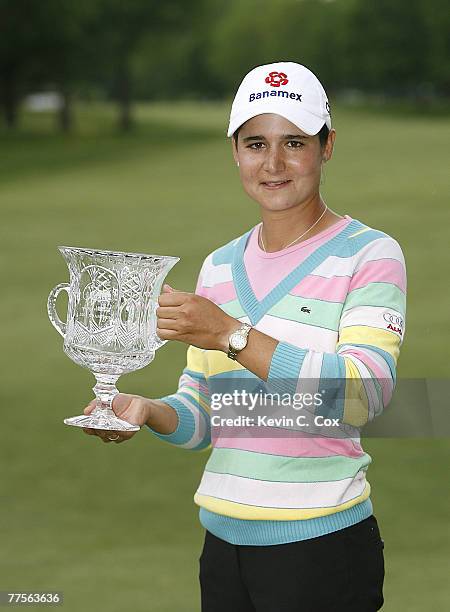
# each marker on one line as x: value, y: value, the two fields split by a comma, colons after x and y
x: 279, y: 165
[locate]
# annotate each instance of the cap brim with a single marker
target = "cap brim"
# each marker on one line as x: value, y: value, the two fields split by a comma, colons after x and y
x: 307, y: 122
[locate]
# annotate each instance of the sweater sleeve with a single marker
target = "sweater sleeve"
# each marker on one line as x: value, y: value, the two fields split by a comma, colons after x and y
x: 191, y: 401
x: 360, y: 376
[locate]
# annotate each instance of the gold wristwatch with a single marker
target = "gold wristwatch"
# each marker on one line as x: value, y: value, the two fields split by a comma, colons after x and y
x: 238, y: 340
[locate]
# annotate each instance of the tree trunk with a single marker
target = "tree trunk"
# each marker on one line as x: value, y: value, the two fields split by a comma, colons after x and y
x: 124, y: 99
x: 9, y: 98
x: 65, y: 112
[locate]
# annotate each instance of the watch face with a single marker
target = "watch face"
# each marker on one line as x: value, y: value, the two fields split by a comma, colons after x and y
x: 238, y: 342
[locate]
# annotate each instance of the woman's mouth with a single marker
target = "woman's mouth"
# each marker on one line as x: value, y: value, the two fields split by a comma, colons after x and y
x: 275, y: 184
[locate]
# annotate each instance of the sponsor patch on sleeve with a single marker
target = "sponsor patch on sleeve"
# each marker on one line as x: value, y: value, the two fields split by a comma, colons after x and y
x: 394, y: 322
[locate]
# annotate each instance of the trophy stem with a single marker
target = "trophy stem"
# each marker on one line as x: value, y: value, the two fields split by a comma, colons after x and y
x: 103, y: 416
x: 105, y: 390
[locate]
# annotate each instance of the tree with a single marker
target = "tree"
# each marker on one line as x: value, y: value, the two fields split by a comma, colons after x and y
x: 18, y: 39
x: 43, y: 43
x: 263, y: 31
x: 388, y: 45
x: 436, y: 28
x: 118, y: 32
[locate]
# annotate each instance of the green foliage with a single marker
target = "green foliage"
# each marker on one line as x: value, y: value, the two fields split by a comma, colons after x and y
x: 147, y: 49
x: 384, y: 46
x: 44, y: 41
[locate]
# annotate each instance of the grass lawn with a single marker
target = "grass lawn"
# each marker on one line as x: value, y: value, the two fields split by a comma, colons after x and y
x: 114, y: 526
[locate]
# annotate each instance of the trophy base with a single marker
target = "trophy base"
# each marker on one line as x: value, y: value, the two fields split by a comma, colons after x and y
x: 101, y: 419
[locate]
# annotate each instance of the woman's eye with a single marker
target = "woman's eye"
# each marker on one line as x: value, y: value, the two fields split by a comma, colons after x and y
x: 293, y: 144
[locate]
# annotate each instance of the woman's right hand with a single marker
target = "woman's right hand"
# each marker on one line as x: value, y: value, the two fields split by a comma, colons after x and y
x: 132, y: 408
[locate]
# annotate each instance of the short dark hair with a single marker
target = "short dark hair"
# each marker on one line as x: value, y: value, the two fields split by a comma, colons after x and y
x: 323, y: 135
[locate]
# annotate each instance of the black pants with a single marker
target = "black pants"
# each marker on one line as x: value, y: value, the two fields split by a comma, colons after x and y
x: 340, y: 571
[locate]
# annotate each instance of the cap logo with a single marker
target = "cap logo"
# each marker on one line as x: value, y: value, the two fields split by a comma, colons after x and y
x: 275, y: 79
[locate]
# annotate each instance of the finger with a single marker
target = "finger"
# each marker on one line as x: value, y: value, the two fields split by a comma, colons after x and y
x: 118, y: 436
x: 90, y: 407
x: 167, y: 323
x: 124, y: 436
x: 107, y: 435
x: 121, y: 402
x: 100, y: 433
x: 167, y: 334
x: 168, y: 289
x: 168, y: 312
x: 177, y: 298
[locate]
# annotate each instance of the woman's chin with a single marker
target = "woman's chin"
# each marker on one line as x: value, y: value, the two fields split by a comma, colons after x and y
x: 275, y: 203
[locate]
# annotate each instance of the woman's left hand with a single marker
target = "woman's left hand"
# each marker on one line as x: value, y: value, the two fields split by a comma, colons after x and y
x: 193, y: 319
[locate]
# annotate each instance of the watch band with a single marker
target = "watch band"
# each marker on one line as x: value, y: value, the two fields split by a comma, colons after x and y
x: 232, y: 354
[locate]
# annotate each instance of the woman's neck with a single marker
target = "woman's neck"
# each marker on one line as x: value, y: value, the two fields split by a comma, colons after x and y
x: 279, y: 228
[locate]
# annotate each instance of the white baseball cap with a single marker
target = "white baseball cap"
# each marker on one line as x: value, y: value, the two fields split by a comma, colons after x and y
x: 285, y: 88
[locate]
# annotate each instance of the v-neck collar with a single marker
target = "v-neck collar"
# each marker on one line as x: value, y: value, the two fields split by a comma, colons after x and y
x: 255, y: 309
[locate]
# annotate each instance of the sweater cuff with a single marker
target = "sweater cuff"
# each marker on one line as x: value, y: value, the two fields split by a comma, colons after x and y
x: 186, y: 423
x: 285, y: 366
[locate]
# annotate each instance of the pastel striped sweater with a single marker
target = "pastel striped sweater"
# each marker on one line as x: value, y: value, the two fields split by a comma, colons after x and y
x: 274, y: 490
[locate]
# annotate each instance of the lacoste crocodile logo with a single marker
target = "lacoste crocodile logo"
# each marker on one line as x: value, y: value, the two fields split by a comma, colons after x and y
x: 305, y: 309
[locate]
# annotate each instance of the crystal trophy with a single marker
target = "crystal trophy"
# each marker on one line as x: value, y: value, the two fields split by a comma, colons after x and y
x: 111, y: 321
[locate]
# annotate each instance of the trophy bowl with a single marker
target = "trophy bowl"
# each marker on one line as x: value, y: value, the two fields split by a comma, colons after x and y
x: 111, y: 320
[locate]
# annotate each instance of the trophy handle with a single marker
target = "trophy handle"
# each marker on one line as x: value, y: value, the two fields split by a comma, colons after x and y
x: 51, y: 307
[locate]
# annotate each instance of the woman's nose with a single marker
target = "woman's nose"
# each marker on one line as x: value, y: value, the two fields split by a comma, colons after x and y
x: 274, y: 160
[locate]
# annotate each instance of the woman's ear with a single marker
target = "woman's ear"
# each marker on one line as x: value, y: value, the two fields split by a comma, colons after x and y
x: 329, y: 146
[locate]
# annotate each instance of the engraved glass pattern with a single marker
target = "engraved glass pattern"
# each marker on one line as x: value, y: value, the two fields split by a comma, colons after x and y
x: 111, y: 320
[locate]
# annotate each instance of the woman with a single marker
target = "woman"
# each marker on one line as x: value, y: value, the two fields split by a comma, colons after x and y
x: 306, y: 299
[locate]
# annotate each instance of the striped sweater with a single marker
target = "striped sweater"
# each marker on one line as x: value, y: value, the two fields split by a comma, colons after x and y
x: 336, y: 303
